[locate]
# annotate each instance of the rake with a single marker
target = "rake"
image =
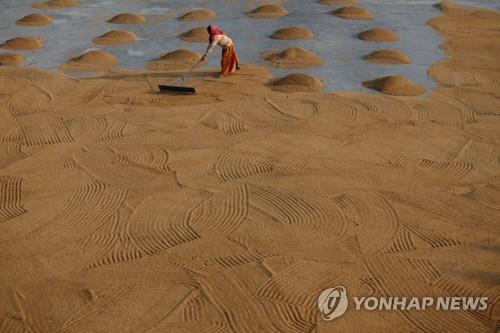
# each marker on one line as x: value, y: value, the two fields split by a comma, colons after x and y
x: 178, y: 87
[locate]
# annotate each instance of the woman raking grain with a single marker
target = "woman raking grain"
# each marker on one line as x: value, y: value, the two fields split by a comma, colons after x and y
x: 229, y: 61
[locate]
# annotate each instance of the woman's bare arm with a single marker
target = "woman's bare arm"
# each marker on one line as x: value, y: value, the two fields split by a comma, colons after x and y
x: 211, y: 46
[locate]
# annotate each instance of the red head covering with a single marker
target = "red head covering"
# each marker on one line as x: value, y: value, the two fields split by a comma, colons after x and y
x: 214, y: 30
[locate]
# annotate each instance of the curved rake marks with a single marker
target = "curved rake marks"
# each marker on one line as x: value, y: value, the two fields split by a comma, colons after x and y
x: 70, y: 163
x: 345, y: 109
x: 14, y: 135
x: 155, y: 159
x: 222, y: 214
x: 468, y: 114
x: 240, y: 259
x: 393, y: 109
x: 289, y: 208
x: 488, y: 195
x: 401, y: 161
x: 424, y: 269
x: 195, y: 308
x: 435, y: 241
x: 474, y: 105
x: 29, y: 101
x: 10, y: 153
x: 120, y: 90
x: 40, y: 129
x: 160, y: 234
x: 457, y: 285
x: 139, y: 100
x: 233, y: 165
x: 106, y: 239
x: 282, y: 113
x: 241, y: 308
x: 115, y: 246
x: 468, y: 287
x: 298, y: 284
x: 452, y: 28
x: 84, y: 95
x: 89, y: 127
x: 422, y: 112
x: 470, y: 152
x: 299, y: 108
x: 455, y: 170
x: 316, y: 107
x: 216, y: 327
x: 159, y: 225
x: 448, y: 77
x: 151, y: 100
x: 445, y: 209
x: 115, y: 130
x: 338, y: 221
x: 348, y: 207
x: 405, y: 123
x: 87, y: 210
x: 110, y: 295
x: 120, y: 251
x: 290, y: 318
x: 383, y: 211
x: 198, y: 326
x: 431, y: 110
x: 10, y: 198
x: 401, y: 243
x: 460, y: 211
x: 400, y: 276
x: 384, y: 273
x: 483, y: 105
x: 197, y: 265
x: 351, y: 113
x: 365, y: 104
x: 226, y: 123
x: 418, y: 223
x: 467, y: 151
x: 284, y: 165
x: 8, y: 86
x: 371, y: 213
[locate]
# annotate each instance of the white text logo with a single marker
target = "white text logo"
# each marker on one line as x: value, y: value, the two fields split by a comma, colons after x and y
x: 333, y: 302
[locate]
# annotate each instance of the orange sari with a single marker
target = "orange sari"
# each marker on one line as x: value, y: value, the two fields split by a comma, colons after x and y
x: 229, y: 62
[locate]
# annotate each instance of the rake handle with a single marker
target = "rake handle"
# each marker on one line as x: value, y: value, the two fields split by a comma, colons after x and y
x: 192, y: 68
x: 183, y: 78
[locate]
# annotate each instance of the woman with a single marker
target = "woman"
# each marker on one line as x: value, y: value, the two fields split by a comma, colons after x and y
x: 229, y: 62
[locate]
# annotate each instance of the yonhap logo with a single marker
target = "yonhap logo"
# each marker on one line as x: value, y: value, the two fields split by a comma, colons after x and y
x: 333, y: 303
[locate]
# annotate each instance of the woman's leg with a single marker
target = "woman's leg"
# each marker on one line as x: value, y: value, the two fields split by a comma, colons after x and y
x: 237, y: 58
x: 229, y: 61
x: 223, y: 61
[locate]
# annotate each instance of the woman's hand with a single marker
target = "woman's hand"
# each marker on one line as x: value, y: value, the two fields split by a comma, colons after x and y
x: 203, y: 57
